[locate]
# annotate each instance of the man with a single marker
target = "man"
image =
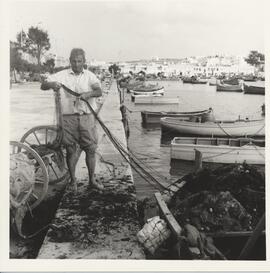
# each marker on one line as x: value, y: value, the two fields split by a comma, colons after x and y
x: 79, y: 125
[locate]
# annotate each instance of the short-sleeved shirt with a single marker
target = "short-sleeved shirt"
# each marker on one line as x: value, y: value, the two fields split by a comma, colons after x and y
x: 80, y: 83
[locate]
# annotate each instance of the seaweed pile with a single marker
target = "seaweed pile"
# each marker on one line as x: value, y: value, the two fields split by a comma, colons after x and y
x: 229, y: 198
x: 88, y: 216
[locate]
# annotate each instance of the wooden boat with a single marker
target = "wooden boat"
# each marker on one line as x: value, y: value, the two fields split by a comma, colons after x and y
x: 229, y: 88
x: 218, y: 128
x: 251, y: 89
x: 219, y: 150
x: 183, y: 202
x: 193, y: 80
x: 147, y: 88
x: 134, y: 84
x: 232, y: 81
x: 149, y: 117
x: 249, y: 78
x: 158, y: 99
x: 147, y: 91
x: 135, y: 97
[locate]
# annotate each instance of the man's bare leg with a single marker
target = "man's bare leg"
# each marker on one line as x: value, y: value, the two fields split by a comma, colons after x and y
x: 71, y: 163
x: 90, y: 160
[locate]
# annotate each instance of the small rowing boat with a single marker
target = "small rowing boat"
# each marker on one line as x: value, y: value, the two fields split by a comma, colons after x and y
x: 150, y: 117
x: 217, y: 128
x: 251, y: 89
x: 219, y: 150
x: 147, y: 92
x: 231, y: 81
x: 194, y: 80
x: 229, y: 88
x: 158, y: 99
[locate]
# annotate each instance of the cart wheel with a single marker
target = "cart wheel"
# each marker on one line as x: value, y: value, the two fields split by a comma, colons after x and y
x: 41, y: 175
x: 40, y: 135
x: 42, y: 140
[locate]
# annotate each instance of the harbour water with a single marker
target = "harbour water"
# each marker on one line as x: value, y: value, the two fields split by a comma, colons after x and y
x: 146, y: 142
x: 30, y: 107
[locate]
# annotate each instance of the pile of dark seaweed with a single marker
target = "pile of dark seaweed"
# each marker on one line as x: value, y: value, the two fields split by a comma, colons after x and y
x: 229, y: 198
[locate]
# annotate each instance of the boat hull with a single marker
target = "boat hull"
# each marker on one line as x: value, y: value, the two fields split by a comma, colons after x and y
x: 159, y: 100
x: 248, y: 89
x: 149, y: 117
x: 212, y: 152
x: 218, y: 129
x: 229, y: 88
x: 148, y: 92
x: 194, y: 82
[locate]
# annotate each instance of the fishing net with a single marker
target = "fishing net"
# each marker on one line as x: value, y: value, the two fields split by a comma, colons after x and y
x: 22, y: 178
x: 230, y: 198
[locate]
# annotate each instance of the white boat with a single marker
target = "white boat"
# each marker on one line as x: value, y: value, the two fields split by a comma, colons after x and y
x: 148, y: 92
x: 157, y: 99
x: 219, y: 150
x: 150, y: 117
x: 217, y: 128
x: 142, y: 94
x: 135, y: 97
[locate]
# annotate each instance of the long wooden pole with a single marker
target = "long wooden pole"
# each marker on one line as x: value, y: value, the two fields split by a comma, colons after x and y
x: 198, y: 160
x: 253, y: 239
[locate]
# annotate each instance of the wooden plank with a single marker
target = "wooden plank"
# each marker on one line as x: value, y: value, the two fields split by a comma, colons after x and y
x: 249, y: 246
x: 231, y: 234
x: 173, y: 224
x: 198, y: 160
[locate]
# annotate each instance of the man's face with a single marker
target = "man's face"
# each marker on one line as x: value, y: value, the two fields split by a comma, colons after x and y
x: 77, y: 63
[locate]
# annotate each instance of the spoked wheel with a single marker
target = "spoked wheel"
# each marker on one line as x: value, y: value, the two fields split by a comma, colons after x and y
x: 35, y: 194
x: 43, y: 139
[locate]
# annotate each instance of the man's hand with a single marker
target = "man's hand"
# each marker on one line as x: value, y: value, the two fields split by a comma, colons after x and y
x: 85, y: 96
x: 55, y: 86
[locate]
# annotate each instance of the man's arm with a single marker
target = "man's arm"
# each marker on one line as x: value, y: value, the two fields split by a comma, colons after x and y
x: 46, y: 85
x: 96, y: 92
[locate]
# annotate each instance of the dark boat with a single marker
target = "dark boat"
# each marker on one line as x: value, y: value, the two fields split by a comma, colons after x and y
x: 229, y: 88
x: 249, y: 78
x: 251, y: 89
x: 146, y: 88
x: 225, y: 204
x: 149, y: 117
x: 193, y: 80
x: 232, y: 81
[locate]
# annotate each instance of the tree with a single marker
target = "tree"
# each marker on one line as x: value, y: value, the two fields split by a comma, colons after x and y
x: 49, y: 65
x: 36, y: 42
x: 15, y: 57
x: 255, y: 58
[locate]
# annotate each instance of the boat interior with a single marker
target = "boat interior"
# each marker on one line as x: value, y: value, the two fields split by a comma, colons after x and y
x: 233, y: 142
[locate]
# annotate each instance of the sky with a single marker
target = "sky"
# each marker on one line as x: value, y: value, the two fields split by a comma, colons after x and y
x: 132, y: 30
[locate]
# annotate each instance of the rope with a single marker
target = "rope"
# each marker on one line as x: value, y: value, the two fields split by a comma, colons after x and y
x: 135, y: 162
x: 223, y: 129
x: 234, y: 150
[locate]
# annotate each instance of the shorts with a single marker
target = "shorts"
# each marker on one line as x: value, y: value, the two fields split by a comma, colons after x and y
x: 81, y: 130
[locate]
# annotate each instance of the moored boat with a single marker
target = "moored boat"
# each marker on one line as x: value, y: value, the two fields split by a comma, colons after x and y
x: 219, y: 150
x: 158, y: 100
x: 217, y: 128
x: 135, y: 97
x: 194, y: 80
x: 147, y: 88
x: 229, y: 88
x: 150, y: 117
x: 231, y: 81
x: 148, y: 91
x: 251, y: 89
x: 249, y: 78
